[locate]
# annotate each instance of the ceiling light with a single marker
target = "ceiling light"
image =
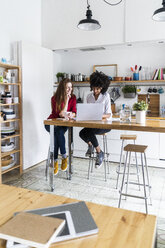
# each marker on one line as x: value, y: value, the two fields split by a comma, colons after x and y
x: 90, y: 24
x: 159, y: 14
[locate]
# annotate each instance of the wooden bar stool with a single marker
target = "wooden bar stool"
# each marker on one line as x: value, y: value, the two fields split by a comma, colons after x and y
x: 106, y: 157
x: 124, y: 138
x: 138, y: 149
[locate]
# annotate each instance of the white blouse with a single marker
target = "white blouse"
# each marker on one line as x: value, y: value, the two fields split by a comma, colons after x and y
x: 103, y: 98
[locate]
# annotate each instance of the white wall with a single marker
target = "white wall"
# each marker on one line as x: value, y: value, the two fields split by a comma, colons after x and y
x: 37, y: 81
x: 20, y: 20
x: 144, y: 54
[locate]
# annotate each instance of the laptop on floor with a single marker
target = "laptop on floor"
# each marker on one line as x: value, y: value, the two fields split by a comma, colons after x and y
x: 89, y: 111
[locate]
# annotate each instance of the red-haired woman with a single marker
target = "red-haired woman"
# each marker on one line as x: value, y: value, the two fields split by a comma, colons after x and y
x: 63, y: 104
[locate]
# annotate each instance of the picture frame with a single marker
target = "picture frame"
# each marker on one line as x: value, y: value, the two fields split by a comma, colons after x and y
x: 110, y: 70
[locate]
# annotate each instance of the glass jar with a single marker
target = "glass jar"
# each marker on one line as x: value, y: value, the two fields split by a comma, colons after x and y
x: 125, y: 114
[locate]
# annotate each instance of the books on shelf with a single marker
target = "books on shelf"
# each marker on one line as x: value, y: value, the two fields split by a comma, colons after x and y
x: 31, y: 229
x: 158, y: 74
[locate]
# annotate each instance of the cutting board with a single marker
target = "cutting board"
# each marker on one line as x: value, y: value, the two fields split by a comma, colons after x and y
x: 154, y: 103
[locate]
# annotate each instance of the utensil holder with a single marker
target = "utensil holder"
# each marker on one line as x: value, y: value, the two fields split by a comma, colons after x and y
x: 135, y: 76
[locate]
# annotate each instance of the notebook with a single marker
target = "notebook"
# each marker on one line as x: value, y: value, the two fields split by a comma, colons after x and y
x: 78, y: 221
x: 89, y: 111
x: 32, y: 229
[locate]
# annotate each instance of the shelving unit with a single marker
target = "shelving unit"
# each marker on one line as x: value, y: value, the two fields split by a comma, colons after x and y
x: 16, y: 90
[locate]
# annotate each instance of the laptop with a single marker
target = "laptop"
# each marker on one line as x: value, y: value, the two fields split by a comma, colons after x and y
x: 89, y: 111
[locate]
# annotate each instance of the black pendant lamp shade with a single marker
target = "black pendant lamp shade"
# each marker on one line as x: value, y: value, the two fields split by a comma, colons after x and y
x: 159, y: 14
x: 89, y: 24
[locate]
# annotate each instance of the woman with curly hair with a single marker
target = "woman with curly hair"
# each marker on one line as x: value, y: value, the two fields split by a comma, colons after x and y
x: 99, y: 83
x: 64, y: 106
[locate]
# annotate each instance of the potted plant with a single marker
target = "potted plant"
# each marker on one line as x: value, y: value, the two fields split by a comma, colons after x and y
x: 129, y: 91
x: 60, y: 76
x: 140, y: 108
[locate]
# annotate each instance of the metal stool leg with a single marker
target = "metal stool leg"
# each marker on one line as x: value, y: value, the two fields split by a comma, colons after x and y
x: 119, y: 167
x: 137, y: 169
x: 144, y: 184
x: 128, y: 173
x: 47, y: 164
x: 107, y: 153
x: 148, y: 181
x: 104, y: 158
x: 89, y: 167
x: 121, y: 190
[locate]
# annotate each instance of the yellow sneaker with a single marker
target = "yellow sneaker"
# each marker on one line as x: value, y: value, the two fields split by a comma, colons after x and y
x: 64, y: 164
x: 55, y: 167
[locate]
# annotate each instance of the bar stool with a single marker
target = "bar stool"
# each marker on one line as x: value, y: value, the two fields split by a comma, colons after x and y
x: 124, y: 138
x: 106, y: 157
x: 138, y: 149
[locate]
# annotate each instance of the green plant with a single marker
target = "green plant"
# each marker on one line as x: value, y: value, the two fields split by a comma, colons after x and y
x: 60, y: 74
x: 140, y: 106
x: 129, y: 89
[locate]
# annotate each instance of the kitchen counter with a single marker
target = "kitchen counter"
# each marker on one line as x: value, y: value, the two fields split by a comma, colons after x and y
x: 147, y: 117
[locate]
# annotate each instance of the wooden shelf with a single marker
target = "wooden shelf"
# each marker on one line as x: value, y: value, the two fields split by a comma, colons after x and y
x: 123, y: 81
x: 4, y: 84
x: 4, y: 104
x: 9, y: 66
x: 12, y: 168
x: 12, y: 120
x: 10, y: 136
x: 139, y: 81
x: 4, y: 154
x: 16, y: 87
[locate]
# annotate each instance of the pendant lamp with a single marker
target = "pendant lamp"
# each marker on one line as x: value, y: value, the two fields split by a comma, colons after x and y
x: 89, y: 24
x: 159, y: 14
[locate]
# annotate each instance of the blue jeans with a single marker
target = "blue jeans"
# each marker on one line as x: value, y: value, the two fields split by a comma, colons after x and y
x: 59, y: 139
x: 89, y: 135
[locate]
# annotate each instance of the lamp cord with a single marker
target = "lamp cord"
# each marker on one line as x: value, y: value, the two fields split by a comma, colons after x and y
x: 112, y: 4
x: 88, y: 6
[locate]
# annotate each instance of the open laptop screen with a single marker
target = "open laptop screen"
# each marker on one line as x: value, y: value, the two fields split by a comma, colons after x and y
x: 89, y: 111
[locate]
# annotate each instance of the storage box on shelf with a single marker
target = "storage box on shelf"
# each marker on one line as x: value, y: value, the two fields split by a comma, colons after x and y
x: 11, y: 127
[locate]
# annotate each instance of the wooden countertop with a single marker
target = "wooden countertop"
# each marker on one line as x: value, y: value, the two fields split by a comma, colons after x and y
x: 148, y: 117
x: 149, y: 126
x: 118, y: 228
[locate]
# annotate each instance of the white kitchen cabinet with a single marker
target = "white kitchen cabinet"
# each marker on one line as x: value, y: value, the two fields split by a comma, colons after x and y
x: 162, y: 146
x: 139, y: 25
x: 154, y: 141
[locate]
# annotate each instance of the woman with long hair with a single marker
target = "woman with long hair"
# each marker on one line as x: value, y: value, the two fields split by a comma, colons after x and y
x: 64, y: 106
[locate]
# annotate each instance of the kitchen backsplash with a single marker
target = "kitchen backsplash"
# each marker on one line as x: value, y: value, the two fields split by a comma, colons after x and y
x: 82, y: 92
